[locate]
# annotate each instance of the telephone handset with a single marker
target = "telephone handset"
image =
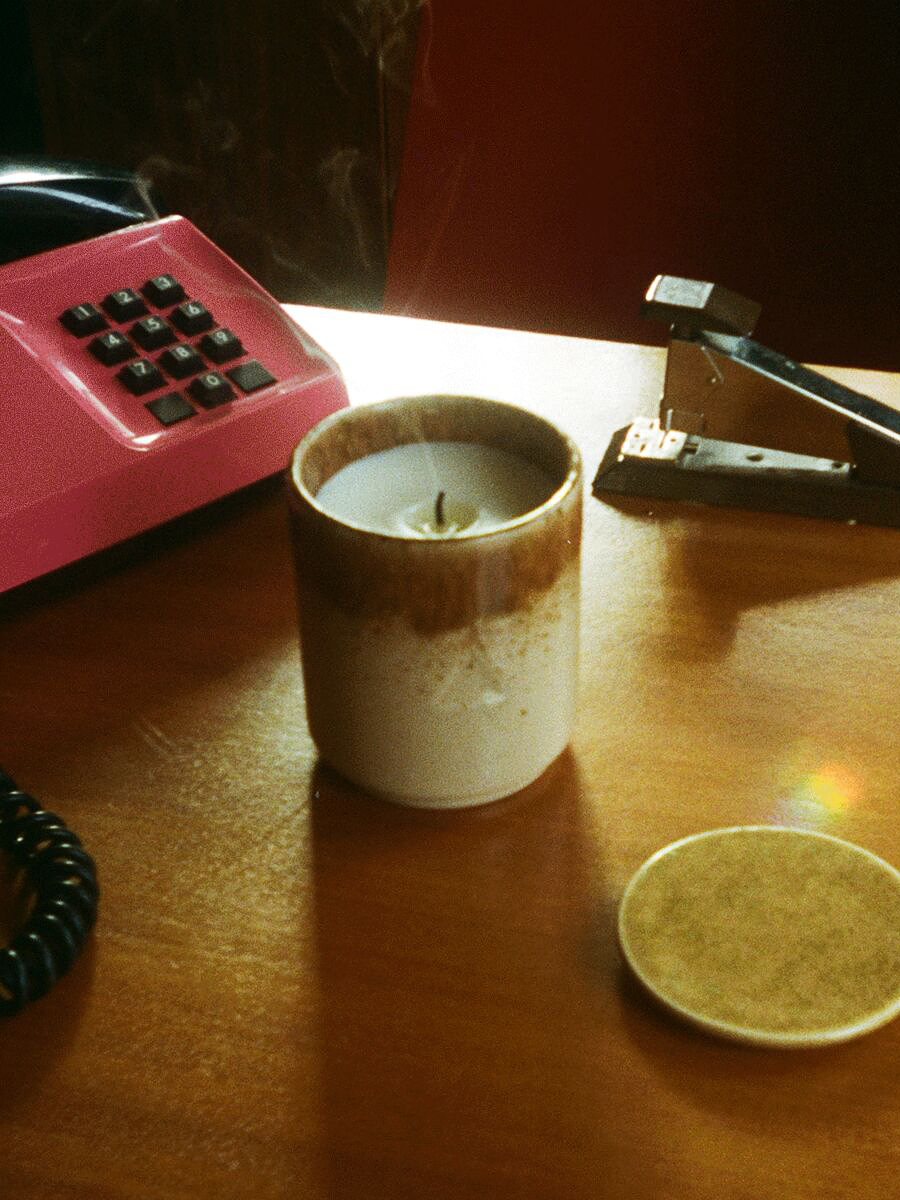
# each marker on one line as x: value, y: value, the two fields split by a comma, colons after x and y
x: 142, y: 372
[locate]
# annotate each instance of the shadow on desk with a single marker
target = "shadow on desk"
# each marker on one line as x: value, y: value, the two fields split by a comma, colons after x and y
x: 716, y: 565
x: 135, y: 632
x: 141, y: 550
x: 759, y: 1088
x: 34, y: 1041
x: 27, y: 1053
x: 455, y: 1011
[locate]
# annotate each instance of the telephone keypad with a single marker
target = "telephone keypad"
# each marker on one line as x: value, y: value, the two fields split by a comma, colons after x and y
x: 181, y: 360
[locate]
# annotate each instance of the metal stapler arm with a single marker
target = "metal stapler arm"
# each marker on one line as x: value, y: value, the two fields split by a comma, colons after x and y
x: 743, y: 425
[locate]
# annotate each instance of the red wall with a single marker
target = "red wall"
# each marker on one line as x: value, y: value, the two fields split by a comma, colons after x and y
x: 558, y: 156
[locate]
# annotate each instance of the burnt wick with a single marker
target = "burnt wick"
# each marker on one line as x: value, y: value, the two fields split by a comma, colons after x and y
x: 439, y: 509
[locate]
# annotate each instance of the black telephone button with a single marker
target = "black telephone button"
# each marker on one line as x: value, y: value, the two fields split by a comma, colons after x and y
x: 221, y: 346
x: 211, y: 390
x: 152, y: 332
x: 111, y: 348
x: 141, y: 376
x: 192, y: 317
x: 170, y: 408
x: 163, y: 291
x: 250, y: 376
x: 83, y: 319
x: 181, y: 361
x: 124, y: 304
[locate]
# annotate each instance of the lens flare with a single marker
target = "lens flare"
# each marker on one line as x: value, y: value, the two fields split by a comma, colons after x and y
x: 820, y: 799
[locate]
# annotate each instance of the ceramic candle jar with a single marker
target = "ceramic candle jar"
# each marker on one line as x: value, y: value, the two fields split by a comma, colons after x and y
x: 436, y: 542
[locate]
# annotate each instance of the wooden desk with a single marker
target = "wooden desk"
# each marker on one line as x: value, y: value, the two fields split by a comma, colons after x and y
x: 295, y: 991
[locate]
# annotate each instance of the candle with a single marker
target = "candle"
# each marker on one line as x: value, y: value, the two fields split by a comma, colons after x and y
x: 435, y: 489
x: 436, y: 542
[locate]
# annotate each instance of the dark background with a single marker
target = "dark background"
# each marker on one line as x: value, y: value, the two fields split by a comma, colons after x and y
x: 272, y: 126
x: 513, y: 162
x: 559, y: 157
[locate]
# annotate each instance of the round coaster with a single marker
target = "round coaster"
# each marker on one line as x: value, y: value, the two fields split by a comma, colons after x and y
x: 781, y: 937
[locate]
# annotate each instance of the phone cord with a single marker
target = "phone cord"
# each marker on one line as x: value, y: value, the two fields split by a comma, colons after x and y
x: 64, y: 906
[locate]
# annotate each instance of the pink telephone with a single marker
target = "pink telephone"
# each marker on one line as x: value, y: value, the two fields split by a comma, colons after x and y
x: 143, y: 374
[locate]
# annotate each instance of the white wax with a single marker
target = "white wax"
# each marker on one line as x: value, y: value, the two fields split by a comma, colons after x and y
x: 395, y: 491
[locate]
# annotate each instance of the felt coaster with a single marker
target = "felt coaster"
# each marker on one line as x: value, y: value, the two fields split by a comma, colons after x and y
x: 781, y: 937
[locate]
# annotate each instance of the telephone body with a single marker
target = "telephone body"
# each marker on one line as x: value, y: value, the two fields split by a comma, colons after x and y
x: 142, y: 374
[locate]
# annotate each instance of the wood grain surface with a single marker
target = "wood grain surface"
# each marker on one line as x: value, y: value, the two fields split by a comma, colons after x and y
x: 296, y: 991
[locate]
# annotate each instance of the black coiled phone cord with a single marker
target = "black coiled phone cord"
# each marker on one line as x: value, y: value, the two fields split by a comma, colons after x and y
x: 64, y: 881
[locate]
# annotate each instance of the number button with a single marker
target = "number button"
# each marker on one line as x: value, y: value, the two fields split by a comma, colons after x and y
x: 124, y: 304
x: 181, y: 361
x: 141, y: 376
x: 192, y: 317
x: 152, y: 332
x: 83, y: 319
x: 221, y: 345
x: 163, y: 291
x: 111, y: 348
x: 211, y: 390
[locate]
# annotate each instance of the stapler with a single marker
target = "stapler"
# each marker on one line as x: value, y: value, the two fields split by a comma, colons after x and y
x: 744, y: 426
